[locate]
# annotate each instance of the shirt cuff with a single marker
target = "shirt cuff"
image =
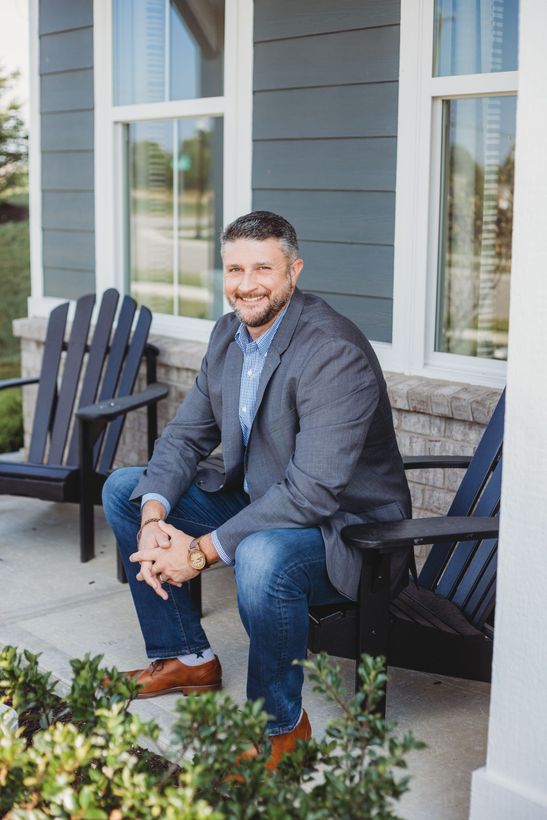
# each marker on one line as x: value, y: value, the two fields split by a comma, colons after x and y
x: 221, y: 554
x: 156, y: 497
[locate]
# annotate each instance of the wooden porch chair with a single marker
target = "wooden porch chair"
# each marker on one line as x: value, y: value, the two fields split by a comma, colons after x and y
x: 71, y: 454
x: 443, y: 623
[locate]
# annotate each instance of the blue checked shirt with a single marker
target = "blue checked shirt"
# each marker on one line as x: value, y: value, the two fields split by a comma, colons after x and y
x: 254, y: 352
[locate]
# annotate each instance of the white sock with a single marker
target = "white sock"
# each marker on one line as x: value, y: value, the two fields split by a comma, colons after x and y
x: 197, y: 658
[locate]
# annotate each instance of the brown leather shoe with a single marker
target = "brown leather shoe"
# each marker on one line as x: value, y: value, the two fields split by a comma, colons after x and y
x: 171, y: 675
x: 281, y: 745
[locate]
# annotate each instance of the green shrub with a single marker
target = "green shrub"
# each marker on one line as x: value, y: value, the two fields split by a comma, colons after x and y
x: 14, y: 291
x: 93, y: 765
x: 11, y: 421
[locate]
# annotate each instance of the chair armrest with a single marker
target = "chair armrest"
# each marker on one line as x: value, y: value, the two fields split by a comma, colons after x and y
x: 19, y: 382
x: 391, y: 536
x: 426, y: 462
x: 112, y: 408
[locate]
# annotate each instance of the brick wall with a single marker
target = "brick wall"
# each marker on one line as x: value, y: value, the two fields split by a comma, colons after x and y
x: 430, y: 416
x: 437, y: 417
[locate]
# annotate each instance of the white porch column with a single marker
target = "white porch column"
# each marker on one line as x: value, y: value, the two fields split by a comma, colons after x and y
x: 513, y: 784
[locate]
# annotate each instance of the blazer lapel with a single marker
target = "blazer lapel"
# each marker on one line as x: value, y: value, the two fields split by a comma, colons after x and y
x: 279, y: 344
x: 232, y: 438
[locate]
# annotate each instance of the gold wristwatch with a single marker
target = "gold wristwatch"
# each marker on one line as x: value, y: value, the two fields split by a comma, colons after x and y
x: 196, y: 557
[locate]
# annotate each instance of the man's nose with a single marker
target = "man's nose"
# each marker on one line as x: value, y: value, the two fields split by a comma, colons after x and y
x: 248, y: 281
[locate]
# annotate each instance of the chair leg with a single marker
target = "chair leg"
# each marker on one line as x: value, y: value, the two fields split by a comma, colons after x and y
x: 195, y: 594
x: 87, y: 435
x: 373, y: 626
x: 87, y: 529
x: 120, y: 569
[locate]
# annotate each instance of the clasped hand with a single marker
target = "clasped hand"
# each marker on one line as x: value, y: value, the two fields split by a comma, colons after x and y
x: 163, y: 555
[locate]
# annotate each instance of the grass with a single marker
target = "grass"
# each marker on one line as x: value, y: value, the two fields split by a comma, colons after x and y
x: 166, y: 277
x: 187, y: 307
x: 14, y: 290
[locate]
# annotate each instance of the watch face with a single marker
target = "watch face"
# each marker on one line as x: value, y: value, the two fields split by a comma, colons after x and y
x: 197, y: 559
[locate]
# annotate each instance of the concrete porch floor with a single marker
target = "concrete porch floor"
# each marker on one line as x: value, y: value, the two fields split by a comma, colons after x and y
x: 50, y: 603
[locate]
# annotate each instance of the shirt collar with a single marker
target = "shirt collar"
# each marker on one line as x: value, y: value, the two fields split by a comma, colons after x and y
x: 264, y: 341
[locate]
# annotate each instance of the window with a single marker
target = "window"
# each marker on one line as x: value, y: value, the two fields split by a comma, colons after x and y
x: 455, y: 184
x: 175, y: 215
x: 170, y: 50
x: 173, y: 92
x: 476, y: 180
x: 476, y: 218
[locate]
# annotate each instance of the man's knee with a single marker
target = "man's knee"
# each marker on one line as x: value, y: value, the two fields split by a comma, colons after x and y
x: 260, y: 563
x: 118, y: 487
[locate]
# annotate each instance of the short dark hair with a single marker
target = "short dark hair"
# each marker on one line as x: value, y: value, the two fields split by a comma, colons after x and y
x: 263, y: 225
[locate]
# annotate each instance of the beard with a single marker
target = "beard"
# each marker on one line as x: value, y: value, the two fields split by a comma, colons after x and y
x: 255, y: 315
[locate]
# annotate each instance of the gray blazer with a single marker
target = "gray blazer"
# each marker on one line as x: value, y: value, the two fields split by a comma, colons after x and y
x: 321, y: 451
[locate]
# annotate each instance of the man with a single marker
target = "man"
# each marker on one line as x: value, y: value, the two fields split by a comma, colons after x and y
x: 294, y: 393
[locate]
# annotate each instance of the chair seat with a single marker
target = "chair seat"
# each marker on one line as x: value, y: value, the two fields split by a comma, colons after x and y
x: 423, y: 607
x: 333, y: 628
x: 48, y: 482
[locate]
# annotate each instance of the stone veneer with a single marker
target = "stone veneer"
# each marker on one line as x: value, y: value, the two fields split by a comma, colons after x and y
x: 430, y: 415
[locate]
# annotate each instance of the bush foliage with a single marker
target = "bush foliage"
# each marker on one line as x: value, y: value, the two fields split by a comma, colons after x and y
x: 11, y: 421
x: 87, y: 760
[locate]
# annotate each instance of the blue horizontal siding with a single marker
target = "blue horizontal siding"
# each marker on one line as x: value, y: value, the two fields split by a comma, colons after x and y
x: 62, y: 15
x: 278, y: 19
x: 324, y: 154
x: 67, y: 143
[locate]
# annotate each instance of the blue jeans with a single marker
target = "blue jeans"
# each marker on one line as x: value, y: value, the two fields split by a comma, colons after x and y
x: 278, y: 574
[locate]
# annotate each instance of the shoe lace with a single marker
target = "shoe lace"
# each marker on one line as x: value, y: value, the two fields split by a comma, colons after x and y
x: 157, y: 666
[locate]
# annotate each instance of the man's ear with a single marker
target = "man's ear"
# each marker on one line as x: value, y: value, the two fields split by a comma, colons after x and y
x: 296, y: 268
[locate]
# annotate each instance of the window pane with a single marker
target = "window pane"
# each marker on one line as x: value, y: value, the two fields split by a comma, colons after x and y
x: 197, y: 50
x: 167, y: 49
x: 475, y: 36
x: 175, y: 216
x: 139, y: 51
x: 475, y: 228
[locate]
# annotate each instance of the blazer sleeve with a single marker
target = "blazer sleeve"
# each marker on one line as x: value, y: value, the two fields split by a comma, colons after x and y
x: 337, y: 396
x: 189, y: 438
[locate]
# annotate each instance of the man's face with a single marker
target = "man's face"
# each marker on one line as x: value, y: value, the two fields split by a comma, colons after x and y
x: 258, y: 281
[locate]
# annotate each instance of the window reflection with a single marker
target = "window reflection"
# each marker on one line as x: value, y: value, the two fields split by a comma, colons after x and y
x: 476, y: 225
x: 175, y: 201
x: 167, y: 50
x: 475, y: 36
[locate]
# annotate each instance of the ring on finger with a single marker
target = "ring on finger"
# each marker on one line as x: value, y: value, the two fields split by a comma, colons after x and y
x: 162, y: 578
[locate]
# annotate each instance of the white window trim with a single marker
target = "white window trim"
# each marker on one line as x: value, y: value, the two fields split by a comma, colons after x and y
x: 35, y: 164
x: 417, y: 204
x: 236, y: 108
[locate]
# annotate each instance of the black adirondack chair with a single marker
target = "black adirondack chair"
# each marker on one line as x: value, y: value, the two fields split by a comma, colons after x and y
x: 71, y: 454
x: 443, y: 622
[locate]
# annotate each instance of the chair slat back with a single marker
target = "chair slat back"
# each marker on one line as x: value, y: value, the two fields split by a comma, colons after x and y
x: 480, y: 604
x: 71, y: 377
x: 477, y: 581
x: 95, y: 363
x: 118, y: 350
x: 111, y: 370
x: 126, y: 385
x: 467, y: 561
x: 47, y: 389
x: 475, y: 496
